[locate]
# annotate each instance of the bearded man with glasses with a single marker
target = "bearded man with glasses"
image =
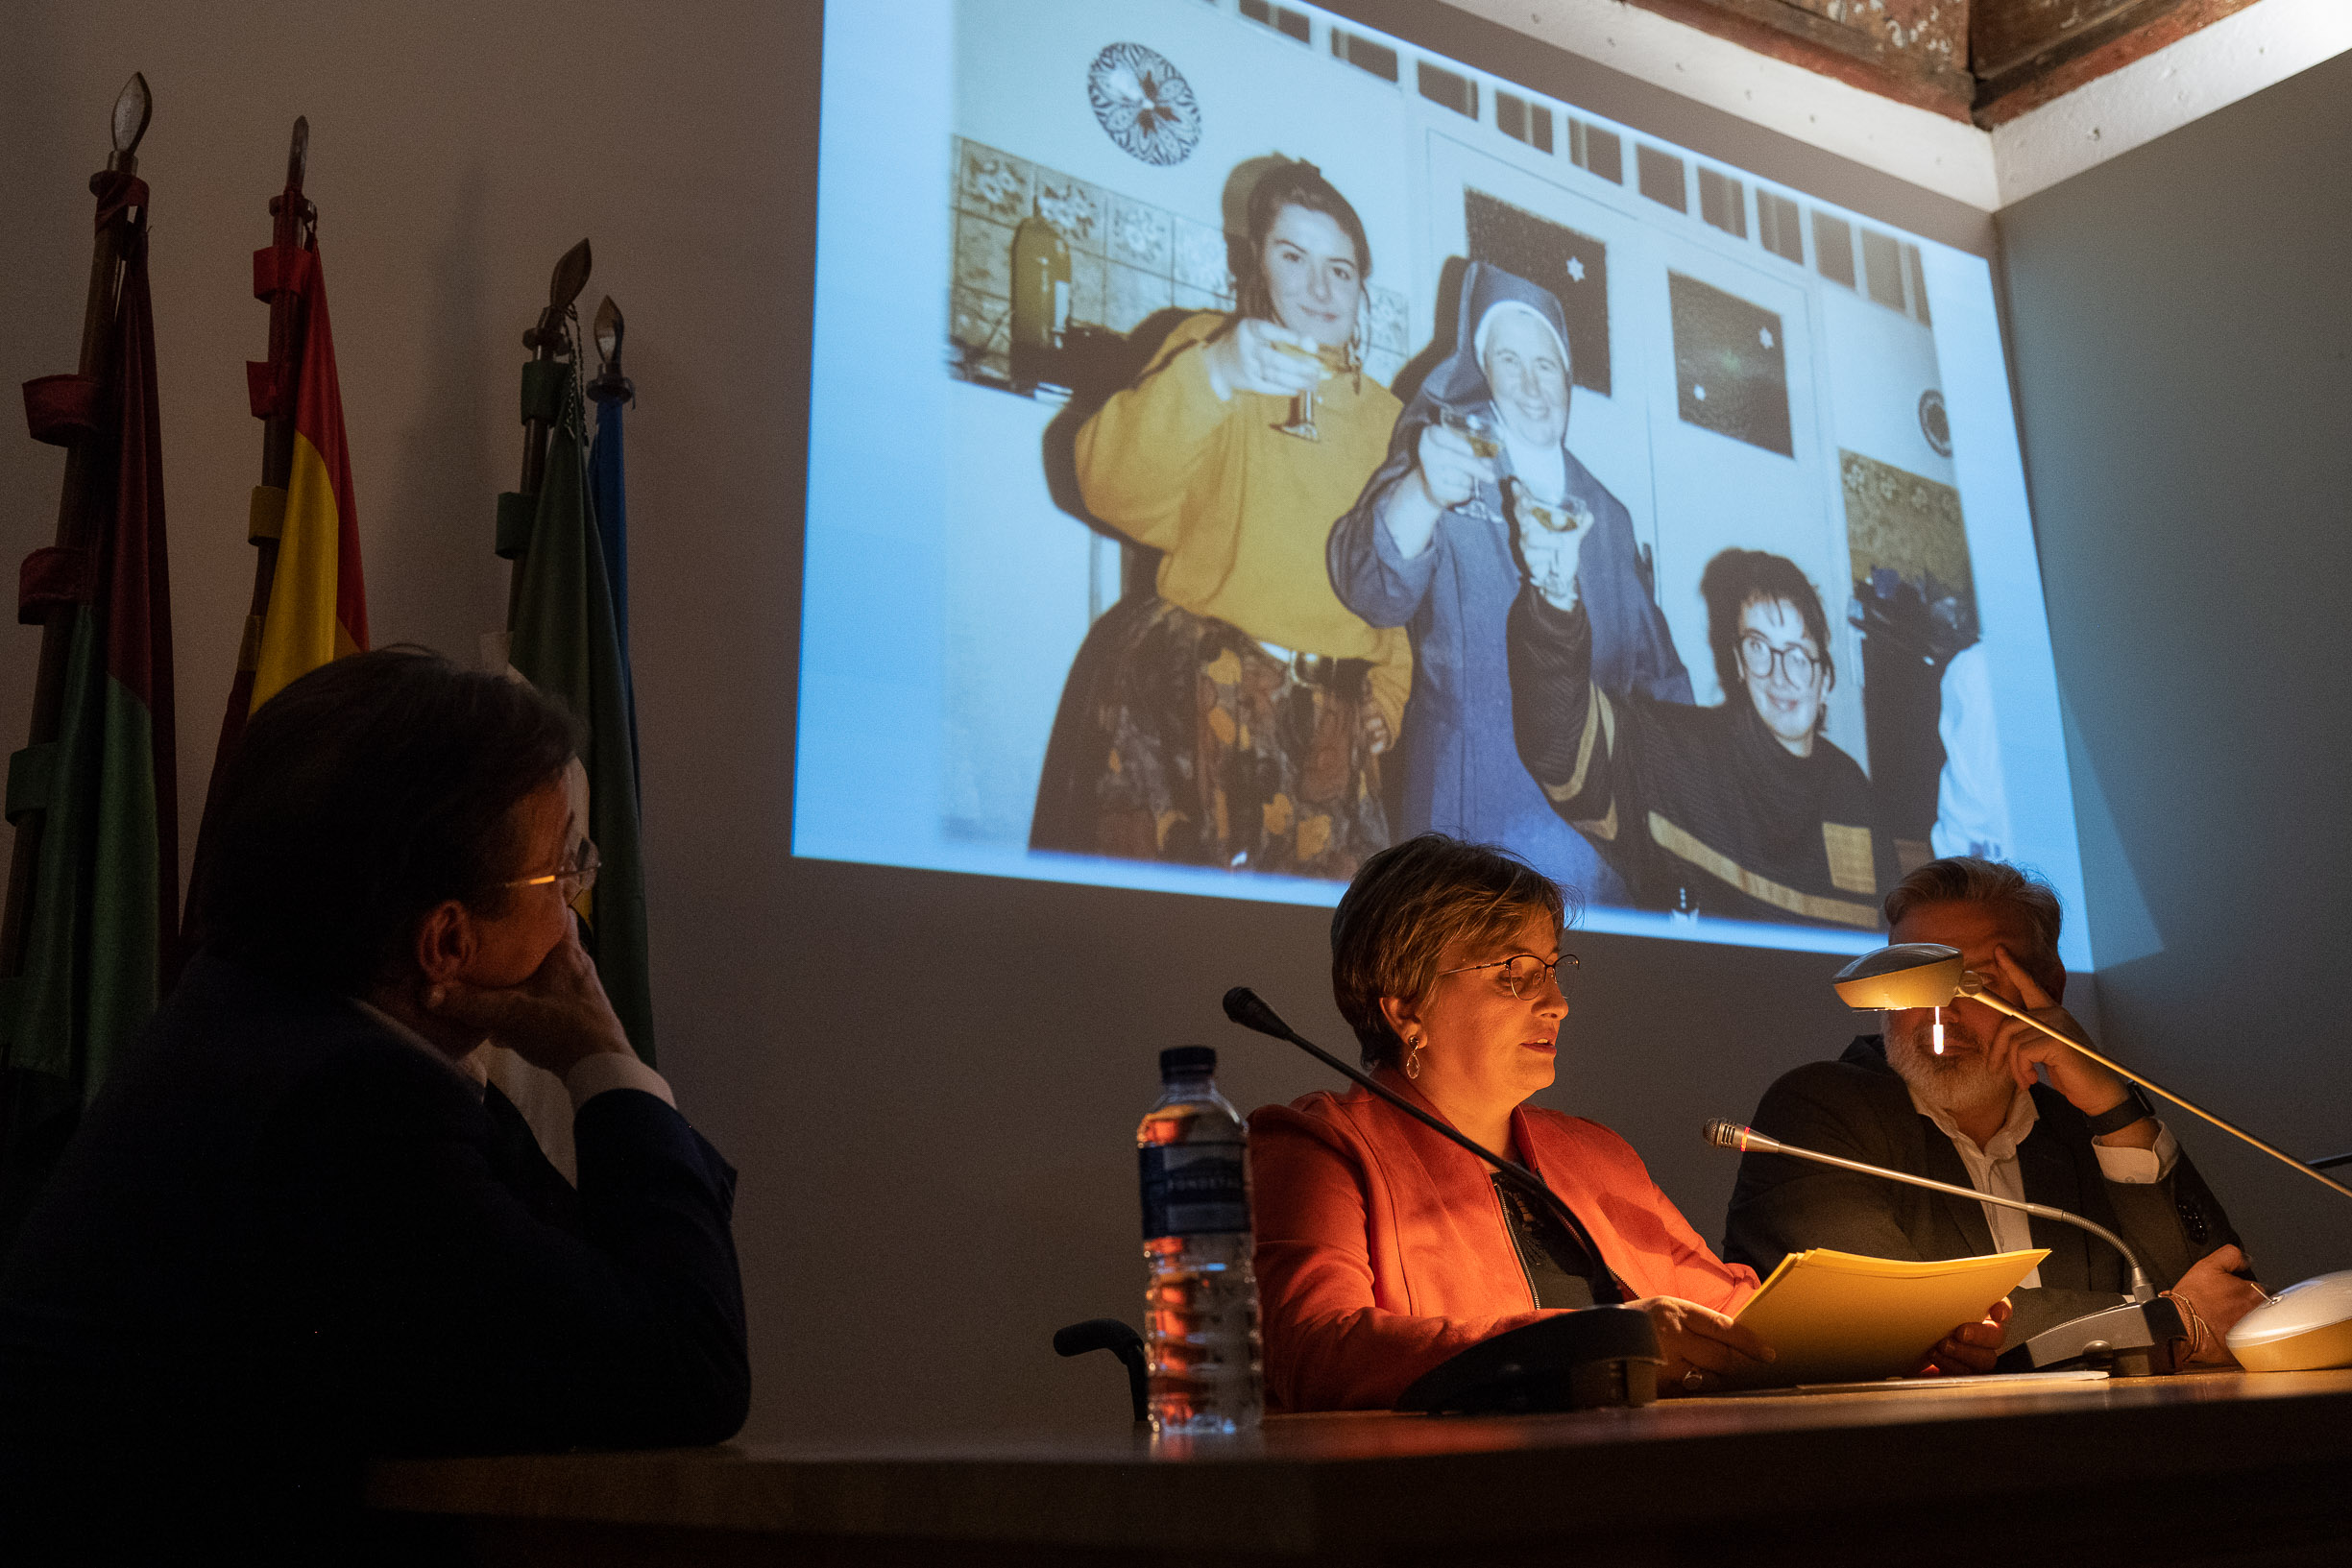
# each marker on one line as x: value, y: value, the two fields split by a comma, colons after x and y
x: 1964, y: 1095
x: 1746, y: 809
x: 298, y: 1229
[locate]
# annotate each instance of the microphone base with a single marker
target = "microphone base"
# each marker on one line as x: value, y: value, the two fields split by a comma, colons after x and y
x: 2136, y: 1340
x: 1599, y: 1356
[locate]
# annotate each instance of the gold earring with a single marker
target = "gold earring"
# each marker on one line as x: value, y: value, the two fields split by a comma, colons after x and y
x: 1413, y: 1057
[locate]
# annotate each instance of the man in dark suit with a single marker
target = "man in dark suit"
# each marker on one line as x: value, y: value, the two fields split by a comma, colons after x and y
x: 299, y: 1228
x: 1970, y: 1110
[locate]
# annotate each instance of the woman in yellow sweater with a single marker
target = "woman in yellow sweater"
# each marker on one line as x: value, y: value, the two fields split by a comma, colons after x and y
x: 1235, y: 717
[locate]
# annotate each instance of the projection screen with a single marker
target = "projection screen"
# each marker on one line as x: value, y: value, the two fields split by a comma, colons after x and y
x: 1507, y: 473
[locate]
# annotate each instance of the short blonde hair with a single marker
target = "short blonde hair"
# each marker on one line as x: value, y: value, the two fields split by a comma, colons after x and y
x: 1407, y: 907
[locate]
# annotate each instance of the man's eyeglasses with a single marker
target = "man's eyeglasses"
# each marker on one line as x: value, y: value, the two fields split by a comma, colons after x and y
x: 1523, y: 974
x: 1756, y: 656
x: 573, y: 879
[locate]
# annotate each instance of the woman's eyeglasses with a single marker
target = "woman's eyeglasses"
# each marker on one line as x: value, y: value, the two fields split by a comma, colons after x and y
x: 571, y: 882
x: 1523, y: 974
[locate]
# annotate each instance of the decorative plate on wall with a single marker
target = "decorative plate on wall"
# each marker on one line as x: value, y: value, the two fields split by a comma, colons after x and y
x: 1934, y: 422
x: 1144, y: 102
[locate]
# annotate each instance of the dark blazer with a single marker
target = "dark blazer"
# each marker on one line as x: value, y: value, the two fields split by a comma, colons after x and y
x: 1857, y: 1107
x: 287, y: 1237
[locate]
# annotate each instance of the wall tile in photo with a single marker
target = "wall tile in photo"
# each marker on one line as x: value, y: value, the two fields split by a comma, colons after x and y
x: 1087, y: 287
x: 1140, y: 235
x: 981, y: 328
x: 993, y: 183
x: 1073, y: 206
x: 1130, y: 293
x: 1198, y: 262
x: 983, y: 254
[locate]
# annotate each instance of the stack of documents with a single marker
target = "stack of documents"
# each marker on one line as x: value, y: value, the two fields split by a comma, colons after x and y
x: 1838, y: 1318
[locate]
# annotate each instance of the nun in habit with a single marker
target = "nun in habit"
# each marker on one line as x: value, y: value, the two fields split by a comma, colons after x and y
x: 1429, y: 546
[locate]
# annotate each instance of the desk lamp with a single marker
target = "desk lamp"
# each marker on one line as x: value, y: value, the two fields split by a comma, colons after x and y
x: 2303, y: 1327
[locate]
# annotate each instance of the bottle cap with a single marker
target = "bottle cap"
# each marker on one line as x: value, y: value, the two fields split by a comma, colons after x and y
x: 1186, y: 1059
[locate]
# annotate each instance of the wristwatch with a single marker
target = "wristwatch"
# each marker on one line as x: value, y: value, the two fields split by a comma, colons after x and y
x: 2135, y: 1105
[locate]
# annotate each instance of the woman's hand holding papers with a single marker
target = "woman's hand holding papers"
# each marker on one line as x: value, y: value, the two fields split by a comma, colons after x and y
x: 1968, y: 1349
x: 1705, y: 1348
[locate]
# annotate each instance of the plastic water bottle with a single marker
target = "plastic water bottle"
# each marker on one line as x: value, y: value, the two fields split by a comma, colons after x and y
x: 1201, y: 1311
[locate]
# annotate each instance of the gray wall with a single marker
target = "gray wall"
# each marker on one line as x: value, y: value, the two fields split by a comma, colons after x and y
x: 928, y: 1081
x: 2181, y: 332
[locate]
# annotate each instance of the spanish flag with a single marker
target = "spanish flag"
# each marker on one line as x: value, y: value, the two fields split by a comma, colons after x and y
x: 318, y: 608
x: 310, y: 604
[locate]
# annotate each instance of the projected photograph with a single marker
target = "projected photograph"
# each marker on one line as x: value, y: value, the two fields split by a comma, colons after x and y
x: 1317, y: 441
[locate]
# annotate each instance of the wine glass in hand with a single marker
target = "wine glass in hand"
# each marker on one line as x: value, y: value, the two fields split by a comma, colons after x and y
x: 1550, y: 538
x: 1301, y: 422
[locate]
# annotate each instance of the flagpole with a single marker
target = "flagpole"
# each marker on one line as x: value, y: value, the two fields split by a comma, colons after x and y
x: 293, y: 229
x: 293, y: 226
x: 76, y: 528
x: 549, y: 341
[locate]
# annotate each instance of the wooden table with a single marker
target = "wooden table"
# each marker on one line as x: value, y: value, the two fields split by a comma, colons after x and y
x: 2207, y: 1468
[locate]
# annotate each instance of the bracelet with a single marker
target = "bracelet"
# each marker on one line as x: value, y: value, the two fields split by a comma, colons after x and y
x: 2192, y: 1319
x: 2133, y: 1108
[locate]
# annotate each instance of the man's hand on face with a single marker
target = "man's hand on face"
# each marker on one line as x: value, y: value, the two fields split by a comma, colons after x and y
x: 552, y: 1020
x: 1971, y: 1348
x: 2088, y: 1087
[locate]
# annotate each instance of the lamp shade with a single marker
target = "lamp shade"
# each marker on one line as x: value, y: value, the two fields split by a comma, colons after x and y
x: 1907, y: 974
x: 2303, y: 1327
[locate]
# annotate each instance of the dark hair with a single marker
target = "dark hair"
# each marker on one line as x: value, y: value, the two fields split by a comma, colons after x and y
x: 1298, y: 184
x: 362, y: 796
x: 1408, y: 905
x: 2014, y: 891
x: 1735, y: 579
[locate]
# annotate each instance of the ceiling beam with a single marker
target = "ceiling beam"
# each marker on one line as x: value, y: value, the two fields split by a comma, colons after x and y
x: 1911, y: 51
x: 2025, y: 53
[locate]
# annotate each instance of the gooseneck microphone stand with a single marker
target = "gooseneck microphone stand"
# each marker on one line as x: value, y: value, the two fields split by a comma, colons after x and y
x: 1747, y: 1140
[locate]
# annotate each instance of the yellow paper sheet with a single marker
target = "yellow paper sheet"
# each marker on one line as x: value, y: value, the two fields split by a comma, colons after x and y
x: 1840, y: 1317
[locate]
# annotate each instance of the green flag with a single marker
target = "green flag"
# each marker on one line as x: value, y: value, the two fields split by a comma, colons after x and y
x: 94, y: 803
x: 564, y: 636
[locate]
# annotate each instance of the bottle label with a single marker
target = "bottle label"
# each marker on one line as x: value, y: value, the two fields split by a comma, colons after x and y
x: 1201, y: 1191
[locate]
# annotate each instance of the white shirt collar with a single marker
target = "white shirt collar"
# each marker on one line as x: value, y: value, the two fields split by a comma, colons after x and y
x: 2022, y: 1115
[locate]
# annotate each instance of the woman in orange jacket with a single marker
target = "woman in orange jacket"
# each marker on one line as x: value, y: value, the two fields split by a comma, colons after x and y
x: 1383, y: 1248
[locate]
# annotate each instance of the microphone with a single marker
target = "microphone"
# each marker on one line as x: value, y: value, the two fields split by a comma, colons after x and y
x: 1721, y: 1134
x: 1244, y: 1006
